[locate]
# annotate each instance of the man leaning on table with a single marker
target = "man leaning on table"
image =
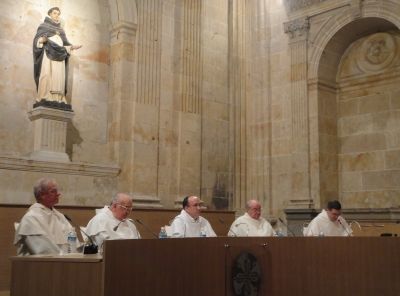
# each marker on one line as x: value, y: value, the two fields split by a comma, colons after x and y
x: 329, y: 222
x: 112, y: 222
x: 251, y: 223
x: 43, y: 229
x: 189, y: 223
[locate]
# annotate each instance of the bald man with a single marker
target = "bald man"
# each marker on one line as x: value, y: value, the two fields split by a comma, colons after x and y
x: 112, y: 221
x: 189, y: 223
x: 251, y: 223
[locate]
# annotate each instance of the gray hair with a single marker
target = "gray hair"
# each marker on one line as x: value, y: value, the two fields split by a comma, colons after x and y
x: 249, y: 202
x: 116, y: 197
x: 41, y: 186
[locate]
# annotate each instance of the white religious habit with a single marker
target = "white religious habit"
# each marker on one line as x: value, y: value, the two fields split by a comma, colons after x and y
x: 52, y: 75
x: 248, y: 226
x: 104, y: 226
x: 323, y: 226
x: 42, y: 231
x: 186, y: 226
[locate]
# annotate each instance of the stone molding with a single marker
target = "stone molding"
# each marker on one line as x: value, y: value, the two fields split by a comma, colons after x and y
x: 294, y: 5
x: 71, y: 168
x: 50, y: 113
x: 145, y: 201
x: 123, y: 32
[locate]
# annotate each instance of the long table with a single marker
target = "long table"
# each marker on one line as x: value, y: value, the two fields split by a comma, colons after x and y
x: 209, y: 266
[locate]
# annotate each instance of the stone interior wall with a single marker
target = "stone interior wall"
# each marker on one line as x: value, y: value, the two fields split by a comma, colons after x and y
x: 369, y: 122
x: 216, y: 98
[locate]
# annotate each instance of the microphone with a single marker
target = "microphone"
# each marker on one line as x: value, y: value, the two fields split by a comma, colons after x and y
x: 344, y: 227
x: 92, y: 248
x: 287, y: 227
x: 146, y: 227
x: 116, y: 227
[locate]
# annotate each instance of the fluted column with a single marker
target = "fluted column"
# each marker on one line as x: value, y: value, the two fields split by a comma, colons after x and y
x: 237, y: 92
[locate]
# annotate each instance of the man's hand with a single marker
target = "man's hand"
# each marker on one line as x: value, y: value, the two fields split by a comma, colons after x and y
x: 43, y: 39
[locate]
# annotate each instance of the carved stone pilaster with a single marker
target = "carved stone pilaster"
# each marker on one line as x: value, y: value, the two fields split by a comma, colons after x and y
x: 298, y: 32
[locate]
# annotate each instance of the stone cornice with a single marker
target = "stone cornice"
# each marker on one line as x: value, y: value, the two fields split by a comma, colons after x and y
x: 294, y: 5
x: 82, y: 169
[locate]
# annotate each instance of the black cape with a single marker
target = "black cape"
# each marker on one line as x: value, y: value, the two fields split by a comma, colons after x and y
x: 53, y: 51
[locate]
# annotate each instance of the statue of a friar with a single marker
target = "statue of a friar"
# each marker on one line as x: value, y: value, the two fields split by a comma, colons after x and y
x: 51, y: 50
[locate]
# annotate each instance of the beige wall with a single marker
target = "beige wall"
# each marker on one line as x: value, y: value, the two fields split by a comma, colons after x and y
x: 229, y: 100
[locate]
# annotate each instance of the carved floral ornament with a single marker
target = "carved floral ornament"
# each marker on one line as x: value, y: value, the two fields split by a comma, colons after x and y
x: 377, y: 52
x: 297, y: 28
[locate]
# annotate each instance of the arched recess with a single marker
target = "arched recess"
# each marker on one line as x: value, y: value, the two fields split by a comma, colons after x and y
x: 329, y: 47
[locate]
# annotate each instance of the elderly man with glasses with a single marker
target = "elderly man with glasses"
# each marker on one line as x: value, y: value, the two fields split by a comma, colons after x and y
x: 251, y: 223
x: 43, y: 229
x: 112, y: 221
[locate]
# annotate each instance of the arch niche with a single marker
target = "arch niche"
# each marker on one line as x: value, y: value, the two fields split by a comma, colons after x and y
x: 357, y: 95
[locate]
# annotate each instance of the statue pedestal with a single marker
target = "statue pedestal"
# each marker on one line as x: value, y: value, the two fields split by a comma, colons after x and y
x: 50, y: 133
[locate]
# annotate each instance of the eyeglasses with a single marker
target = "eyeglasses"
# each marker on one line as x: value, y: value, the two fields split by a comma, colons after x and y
x: 255, y: 209
x: 52, y: 191
x: 128, y: 209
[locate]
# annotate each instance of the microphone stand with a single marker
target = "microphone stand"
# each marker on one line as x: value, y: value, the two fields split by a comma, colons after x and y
x: 92, y: 248
x: 344, y: 227
x: 146, y: 227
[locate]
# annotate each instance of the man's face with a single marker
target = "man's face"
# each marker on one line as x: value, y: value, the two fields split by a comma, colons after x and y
x: 55, y: 16
x: 51, y: 196
x: 193, y: 208
x: 333, y: 214
x: 254, y: 210
x: 122, y: 208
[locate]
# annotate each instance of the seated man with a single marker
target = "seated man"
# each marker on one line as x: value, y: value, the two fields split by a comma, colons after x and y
x: 251, y: 223
x: 43, y: 229
x: 189, y: 223
x: 112, y: 221
x: 329, y: 222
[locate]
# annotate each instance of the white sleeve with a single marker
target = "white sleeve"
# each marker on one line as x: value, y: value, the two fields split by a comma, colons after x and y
x: 312, y: 229
x: 40, y: 244
x: 178, y: 227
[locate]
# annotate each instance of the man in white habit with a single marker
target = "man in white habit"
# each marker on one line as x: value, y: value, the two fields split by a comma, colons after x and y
x: 329, y: 222
x: 189, y: 223
x: 43, y: 229
x: 112, y: 221
x: 251, y: 223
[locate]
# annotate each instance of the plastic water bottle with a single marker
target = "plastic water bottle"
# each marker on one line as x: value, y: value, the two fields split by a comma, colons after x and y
x: 203, y: 232
x: 163, y: 233
x: 71, y: 239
